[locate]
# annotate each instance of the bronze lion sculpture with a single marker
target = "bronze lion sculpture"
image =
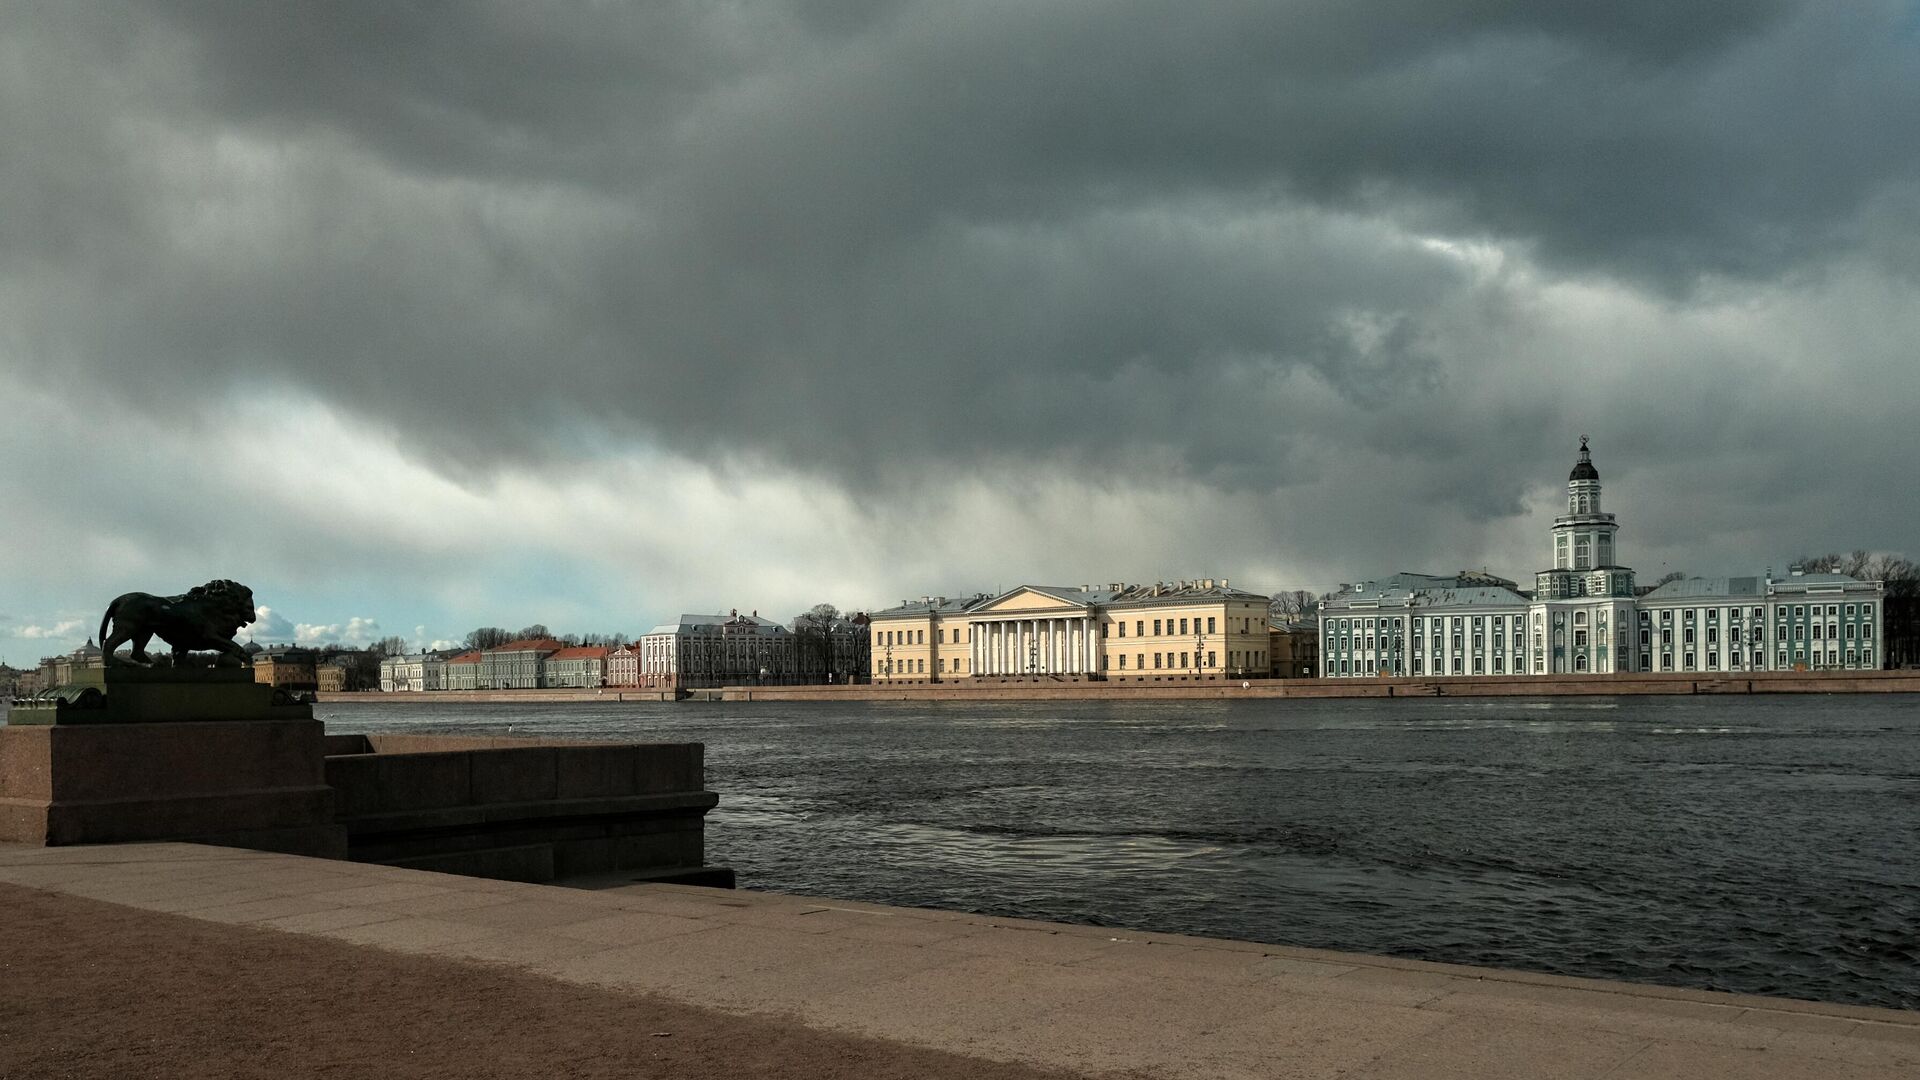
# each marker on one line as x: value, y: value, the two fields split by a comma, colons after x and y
x: 206, y: 617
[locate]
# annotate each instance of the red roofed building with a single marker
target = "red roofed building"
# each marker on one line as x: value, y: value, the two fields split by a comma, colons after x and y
x: 517, y: 665
x: 463, y: 671
x: 577, y: 666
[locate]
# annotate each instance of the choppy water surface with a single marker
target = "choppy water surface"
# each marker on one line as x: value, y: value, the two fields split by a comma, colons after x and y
x: 1762, y: 845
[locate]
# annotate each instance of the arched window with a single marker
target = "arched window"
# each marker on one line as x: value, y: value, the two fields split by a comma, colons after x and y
x: 1583, y: 504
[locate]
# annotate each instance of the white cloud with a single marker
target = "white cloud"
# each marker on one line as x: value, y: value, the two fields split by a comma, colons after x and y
x: 268, y: 625
x: 61, y: 629
x: 355, y: 631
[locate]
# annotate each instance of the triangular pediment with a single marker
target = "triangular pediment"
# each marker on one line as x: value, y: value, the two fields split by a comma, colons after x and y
x: 1031, y: 598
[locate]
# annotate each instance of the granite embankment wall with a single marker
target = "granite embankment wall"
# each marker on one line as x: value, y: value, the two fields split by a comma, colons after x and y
x: 1772, y: 682
x: 516, y: 697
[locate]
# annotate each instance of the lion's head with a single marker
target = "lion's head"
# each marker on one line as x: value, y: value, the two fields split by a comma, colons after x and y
x: 226, y: 606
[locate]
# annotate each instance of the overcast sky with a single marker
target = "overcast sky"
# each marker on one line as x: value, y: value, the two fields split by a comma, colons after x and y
x: 417, y: 317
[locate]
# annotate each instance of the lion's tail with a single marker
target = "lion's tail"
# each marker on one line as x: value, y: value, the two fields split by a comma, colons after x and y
x: 105, y: 619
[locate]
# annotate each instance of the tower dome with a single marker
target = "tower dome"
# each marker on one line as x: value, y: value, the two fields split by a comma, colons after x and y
x: 1583, y: 469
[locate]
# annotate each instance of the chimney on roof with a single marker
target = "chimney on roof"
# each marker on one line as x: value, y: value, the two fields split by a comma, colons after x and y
x: 1223, y: 583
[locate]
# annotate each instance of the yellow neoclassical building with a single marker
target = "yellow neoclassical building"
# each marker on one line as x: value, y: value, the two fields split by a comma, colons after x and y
x: 1180, y: 631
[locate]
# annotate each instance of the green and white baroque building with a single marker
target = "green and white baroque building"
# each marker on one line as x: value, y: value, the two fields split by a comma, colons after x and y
x: 1585, y: 616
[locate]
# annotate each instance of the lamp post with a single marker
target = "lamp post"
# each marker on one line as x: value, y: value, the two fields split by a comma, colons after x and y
x: 1199, y: 642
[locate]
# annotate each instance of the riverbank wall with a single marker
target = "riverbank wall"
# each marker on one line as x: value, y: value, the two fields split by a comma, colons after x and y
x: 1188, y: 688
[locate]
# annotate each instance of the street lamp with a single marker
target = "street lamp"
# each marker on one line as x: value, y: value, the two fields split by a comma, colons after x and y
x: 1199, y: 642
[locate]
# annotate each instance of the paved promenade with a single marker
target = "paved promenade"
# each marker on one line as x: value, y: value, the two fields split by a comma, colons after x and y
x: 1074, y: 999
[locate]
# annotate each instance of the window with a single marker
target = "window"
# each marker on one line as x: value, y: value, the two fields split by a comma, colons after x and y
x: 1156, y: 659
x: 1123, y: 661
x: 1579, y: 618
x: 1456, y: 665
x: 1210, y: 660
x: 1866, y: 629
x: 1183, y: 626
x: 1866, y: 609
x: 1689, y: 661
x: 1123, y: 628
x: 943, y: 665
x: 1139, y: 628
x: 1580, y: 639
x: 1139, y: 660
x: 1417, y: 669
x: 1209, y: 624
x: 1156, y: 628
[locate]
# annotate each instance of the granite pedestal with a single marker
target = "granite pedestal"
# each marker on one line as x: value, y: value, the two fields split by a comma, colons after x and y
x: 206, y: 755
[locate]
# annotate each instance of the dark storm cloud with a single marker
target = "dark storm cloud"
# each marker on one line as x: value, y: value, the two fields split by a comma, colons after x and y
x: 866, y: 236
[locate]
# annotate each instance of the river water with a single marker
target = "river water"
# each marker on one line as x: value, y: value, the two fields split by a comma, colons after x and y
x: 1757, y: 844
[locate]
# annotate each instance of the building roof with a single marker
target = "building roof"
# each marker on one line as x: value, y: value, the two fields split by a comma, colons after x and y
x: 580, y: 652
x: 935, y: 605
x: 465, y: 658
x: 1118, y: 594
x: 1704, y: 587
x: 712, y: 624
x: 1466, y: 589
x: 528, y: 645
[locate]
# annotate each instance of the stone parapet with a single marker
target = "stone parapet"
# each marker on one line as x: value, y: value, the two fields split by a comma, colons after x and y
x: 524, y: 809
x: 241, y: 783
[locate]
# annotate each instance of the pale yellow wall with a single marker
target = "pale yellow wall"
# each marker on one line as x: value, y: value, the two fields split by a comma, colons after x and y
x: 921, y: 644
x: 938, y: 647
x: 1238, y: 638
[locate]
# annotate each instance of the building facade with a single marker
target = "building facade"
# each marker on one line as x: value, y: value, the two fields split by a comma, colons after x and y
x: 1295, y: 649
x: 463, y: 671
x: 516, y: 665
x: 623, y: 665
x: 1164, y: 632
x: 286, y: 667
x: 1584, y: 615
x: 704, y: 651
x: 413, y: 673
x: 577, y: 667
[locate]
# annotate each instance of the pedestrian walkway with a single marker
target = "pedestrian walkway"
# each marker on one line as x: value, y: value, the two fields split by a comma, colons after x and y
x: 1080, y: 999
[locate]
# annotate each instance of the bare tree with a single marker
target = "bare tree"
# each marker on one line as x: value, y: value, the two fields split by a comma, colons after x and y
x: 487, y: 637
x: 534, y: 632
x: 1293, y: 605
x: 813, y: 641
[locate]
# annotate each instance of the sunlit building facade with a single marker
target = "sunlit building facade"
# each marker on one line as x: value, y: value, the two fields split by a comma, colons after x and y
x: 1585, y: 615
x: 1164, y: 632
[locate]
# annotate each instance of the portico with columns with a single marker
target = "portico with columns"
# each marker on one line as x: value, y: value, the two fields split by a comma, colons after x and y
x: 1033, y: 633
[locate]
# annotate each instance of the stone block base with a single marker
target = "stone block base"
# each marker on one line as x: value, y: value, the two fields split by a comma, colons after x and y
x: 254, y: 784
